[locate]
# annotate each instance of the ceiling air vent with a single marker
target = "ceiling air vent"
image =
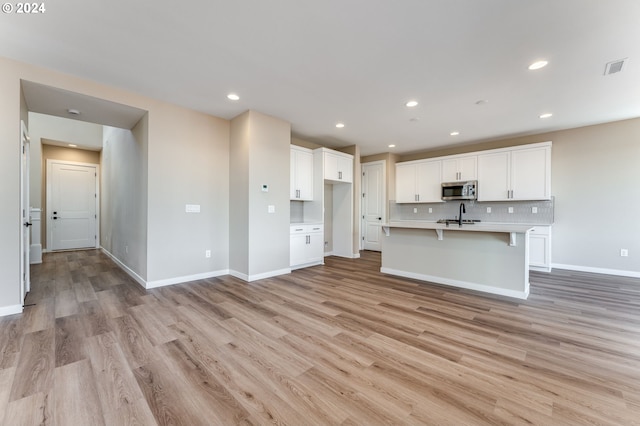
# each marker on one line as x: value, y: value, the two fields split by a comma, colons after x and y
x: 614, y: 66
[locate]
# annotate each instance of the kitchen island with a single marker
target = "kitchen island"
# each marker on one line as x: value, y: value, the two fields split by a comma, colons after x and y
x: 492, y: 258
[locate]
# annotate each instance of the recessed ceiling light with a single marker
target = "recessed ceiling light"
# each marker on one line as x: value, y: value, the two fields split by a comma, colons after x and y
x: 454, y: 133
x: 233, y: 97
x: 482, y: 102
x: 414, y: 119
x: 72, y: 145
x: 73, y: 111
x: 411, y: 104
x: 392, y: 146
x: 340, y: 125
x: 537, y: 65
x: 546, y: 115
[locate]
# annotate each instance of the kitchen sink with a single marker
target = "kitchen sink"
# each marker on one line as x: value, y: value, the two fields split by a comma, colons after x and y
x: 464, y: 221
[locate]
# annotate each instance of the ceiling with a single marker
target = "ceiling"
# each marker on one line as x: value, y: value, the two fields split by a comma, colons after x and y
x: 317, y: 63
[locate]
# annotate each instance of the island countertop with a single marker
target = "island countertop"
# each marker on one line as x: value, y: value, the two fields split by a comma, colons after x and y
x: 476, y: 227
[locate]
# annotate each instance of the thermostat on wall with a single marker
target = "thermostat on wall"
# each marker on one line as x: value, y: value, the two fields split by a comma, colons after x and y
x: 265, y: 187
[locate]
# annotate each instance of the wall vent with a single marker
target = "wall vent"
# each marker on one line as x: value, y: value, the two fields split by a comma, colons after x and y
x: 614, y: 66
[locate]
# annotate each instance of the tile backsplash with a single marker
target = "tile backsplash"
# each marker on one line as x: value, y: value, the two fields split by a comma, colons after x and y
x: 522, y: 211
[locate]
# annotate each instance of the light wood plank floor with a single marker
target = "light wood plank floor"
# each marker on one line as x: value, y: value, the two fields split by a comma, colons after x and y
x: 339, y: 344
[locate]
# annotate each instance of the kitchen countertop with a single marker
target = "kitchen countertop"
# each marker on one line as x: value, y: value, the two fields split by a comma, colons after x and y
x: 477, y: 227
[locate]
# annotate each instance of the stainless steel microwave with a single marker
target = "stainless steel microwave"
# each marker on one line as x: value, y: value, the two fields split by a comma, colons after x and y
x: 460, y: 190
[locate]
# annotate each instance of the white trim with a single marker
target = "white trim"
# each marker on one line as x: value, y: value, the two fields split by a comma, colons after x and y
x: 356, y: 255
x: 307, y: 265
x: 606, y: 271
x: 137, y: 278
x: 457, y: 283
x: 11, y: 310
x: 240, y: 275
x: 161, y: 283
x: 186, y: 278
x: 256, y: 277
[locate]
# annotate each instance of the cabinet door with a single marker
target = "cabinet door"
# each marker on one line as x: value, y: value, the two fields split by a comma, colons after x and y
x: 293, y: 176
x: 530, y: 174
x: 538, y: 253
x: 315, y: 247
x: 428, y: 182
x: 330, y: 166
x: 298, y: 249
x: 450, y: 170
x: 406, y: 183
x: 304, y: 178
x: 345, y: 169
x: 493, y: 176
x: 468, y: 167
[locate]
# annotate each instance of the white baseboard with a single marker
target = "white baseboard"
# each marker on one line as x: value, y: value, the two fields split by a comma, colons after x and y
x: 186, y: 278
x: 456, y: 283
x: 137, y: 278
x: 165, y: 282
x: 10, y: 310
x: 255, y: 277
x: 617, y: 272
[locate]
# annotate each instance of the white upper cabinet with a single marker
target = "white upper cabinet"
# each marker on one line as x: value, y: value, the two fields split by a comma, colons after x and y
x: 338, y: 166
x: 301, y: 174
x: 515, y: 174
x: 418, y: 182
x: 460, y: 168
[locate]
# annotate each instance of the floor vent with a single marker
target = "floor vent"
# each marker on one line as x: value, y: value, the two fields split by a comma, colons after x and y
x: 614, y: 66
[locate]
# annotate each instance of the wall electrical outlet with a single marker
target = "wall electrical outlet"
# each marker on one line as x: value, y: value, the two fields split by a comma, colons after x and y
x: 534, y: 210
x: 488, y: 209
x: 271, y: 209
x: 510, y: 209
x: 207, y: 253
x: 415, y: 210
x: 430, y: 210
x: 624, y: 252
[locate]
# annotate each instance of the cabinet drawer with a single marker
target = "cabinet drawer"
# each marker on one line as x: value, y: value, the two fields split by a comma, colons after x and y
x: 306, y: 229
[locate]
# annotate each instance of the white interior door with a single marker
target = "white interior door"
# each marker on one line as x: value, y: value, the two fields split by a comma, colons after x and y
x: 25, y: 224
x: 373, y: 204
x: 72, y: 205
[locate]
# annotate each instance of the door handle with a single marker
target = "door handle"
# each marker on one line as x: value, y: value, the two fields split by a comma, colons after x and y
x: 28, y: 224
x: 379, y: 218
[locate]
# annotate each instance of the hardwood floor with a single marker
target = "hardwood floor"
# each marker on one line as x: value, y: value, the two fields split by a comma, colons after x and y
x: 335, y: 344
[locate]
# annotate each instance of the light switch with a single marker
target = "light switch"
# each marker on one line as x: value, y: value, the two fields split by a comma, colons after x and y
x: 271, y: 209
x: 265, y: 187
x: 192, y: 208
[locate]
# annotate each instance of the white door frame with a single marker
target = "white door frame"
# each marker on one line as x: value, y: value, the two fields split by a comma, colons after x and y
x: 97, y: 201
x: 25, y: 220
x: 362, y: 198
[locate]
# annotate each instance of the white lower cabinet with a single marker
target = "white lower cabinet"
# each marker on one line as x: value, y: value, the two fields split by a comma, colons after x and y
x: 307, y: 245
x: 540, y: 249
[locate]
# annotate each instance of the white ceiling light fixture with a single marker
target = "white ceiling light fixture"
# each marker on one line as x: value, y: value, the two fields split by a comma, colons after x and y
x: 537, y: 65
x: 392, y: 146
x: 73, y: 111
x: 233, y: 97
x: 339, y: 125
x: 454, y: 133
x: 545, y: 115
x: 411, y: 104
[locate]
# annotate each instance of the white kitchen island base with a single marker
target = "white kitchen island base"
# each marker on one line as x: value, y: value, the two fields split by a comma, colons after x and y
x: 484, y: 258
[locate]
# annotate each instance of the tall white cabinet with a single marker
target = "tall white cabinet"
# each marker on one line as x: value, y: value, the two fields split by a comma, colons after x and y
x: 327, y: 228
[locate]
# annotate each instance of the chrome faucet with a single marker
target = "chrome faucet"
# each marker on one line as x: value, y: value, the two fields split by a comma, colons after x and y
x: 462, y: 210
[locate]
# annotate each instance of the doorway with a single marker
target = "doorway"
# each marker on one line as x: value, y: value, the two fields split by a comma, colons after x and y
x: 72, y: 205
x: 373, y: 204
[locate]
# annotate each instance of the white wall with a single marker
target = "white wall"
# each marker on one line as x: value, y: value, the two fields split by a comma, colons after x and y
x: 123, y: 213
x: 259, y: 155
